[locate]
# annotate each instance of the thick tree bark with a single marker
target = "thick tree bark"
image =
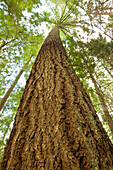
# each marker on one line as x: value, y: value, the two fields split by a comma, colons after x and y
x: 7, y: 94
x: 56, y: 126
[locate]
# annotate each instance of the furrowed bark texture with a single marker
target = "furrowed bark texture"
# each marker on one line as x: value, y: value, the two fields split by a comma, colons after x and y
x: 56, y: 126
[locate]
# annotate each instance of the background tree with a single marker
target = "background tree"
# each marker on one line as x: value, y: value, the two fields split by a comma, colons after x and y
x: 18, y: 42
x: 85, y: 62
x: 7, y: 94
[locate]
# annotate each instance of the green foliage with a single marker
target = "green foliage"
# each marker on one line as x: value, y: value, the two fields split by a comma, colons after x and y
x: 86, y: 60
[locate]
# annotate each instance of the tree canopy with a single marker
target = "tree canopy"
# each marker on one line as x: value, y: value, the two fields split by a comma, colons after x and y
x: 89, y: 46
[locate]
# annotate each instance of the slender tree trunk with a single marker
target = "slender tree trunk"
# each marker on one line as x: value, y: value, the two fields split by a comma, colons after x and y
x: 107, y: 70
x: 103, y: 104
x: 56, y: 127
x: 6, y: 43
x: 7, y: 94
x: 110, y: 62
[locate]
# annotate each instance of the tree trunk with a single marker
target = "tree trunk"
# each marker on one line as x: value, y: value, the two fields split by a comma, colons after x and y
x: 56, y: 126
x: 106, y: 68
x: 7, y: 94
x: 110, y: 62
x: 103, y: 104
x: 5, y: 43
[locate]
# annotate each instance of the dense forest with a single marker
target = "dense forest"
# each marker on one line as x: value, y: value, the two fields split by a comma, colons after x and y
x: 82, y: 79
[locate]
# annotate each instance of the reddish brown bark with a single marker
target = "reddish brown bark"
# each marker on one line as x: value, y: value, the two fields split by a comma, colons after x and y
x: 56, y: 126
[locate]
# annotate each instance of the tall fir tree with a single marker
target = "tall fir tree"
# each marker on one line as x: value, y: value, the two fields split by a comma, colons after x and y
x: 56, y: 126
